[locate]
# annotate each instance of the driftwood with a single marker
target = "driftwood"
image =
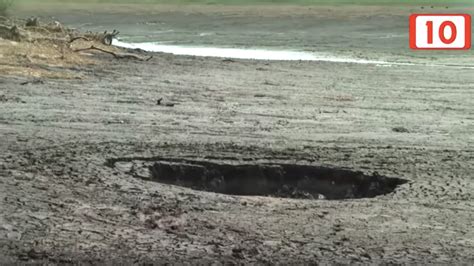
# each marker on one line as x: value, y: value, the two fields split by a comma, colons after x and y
x: 79, y: 38
x: 105, y: 38
x: 109, y: 37
x: 32, y: 31
x: 116, y: 55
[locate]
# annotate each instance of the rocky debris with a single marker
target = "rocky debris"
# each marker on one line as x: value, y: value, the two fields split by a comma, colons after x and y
x: 32, y: 22
x: 10, y: 33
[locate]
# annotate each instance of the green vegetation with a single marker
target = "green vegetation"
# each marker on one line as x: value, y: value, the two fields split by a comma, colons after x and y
x: 248, y: 2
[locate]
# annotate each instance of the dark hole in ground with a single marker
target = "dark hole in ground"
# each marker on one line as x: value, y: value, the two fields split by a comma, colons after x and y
x: 276, y: 180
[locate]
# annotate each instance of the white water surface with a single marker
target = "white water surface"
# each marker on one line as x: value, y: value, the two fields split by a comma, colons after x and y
x: 262, y: 54
x: 237, y: 53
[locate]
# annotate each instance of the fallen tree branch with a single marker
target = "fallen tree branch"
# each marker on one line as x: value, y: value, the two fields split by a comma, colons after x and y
x: 116, y: 55
x: 79, y: 38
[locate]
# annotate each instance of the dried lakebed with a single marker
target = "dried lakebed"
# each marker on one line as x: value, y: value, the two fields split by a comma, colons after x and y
x: 253, y: 118
x: 62, y: 203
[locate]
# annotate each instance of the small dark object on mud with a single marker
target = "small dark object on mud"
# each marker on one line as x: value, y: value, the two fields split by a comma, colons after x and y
x: 269, y: 83
x: 400, y: 130
x: 228, y: 60
x: 32, y: 254
x: 158, y: 102
x: 3, y: 98
x: 169, y: 104
x: 35, y: 81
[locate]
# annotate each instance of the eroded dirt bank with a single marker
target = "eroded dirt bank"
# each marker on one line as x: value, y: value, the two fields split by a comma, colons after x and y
x: 62, y: 200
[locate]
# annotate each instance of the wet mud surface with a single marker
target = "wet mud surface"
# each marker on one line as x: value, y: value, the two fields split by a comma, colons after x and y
x: 63, y: 200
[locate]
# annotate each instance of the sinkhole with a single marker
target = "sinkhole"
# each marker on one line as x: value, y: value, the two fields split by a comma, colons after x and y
x: 261, y: 179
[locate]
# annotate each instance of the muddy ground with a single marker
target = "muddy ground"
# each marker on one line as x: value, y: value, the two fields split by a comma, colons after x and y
x: 69, y: 194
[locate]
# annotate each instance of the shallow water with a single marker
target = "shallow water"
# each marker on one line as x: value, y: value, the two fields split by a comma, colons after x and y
x: 256, y: 54
x: 264, y: 54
